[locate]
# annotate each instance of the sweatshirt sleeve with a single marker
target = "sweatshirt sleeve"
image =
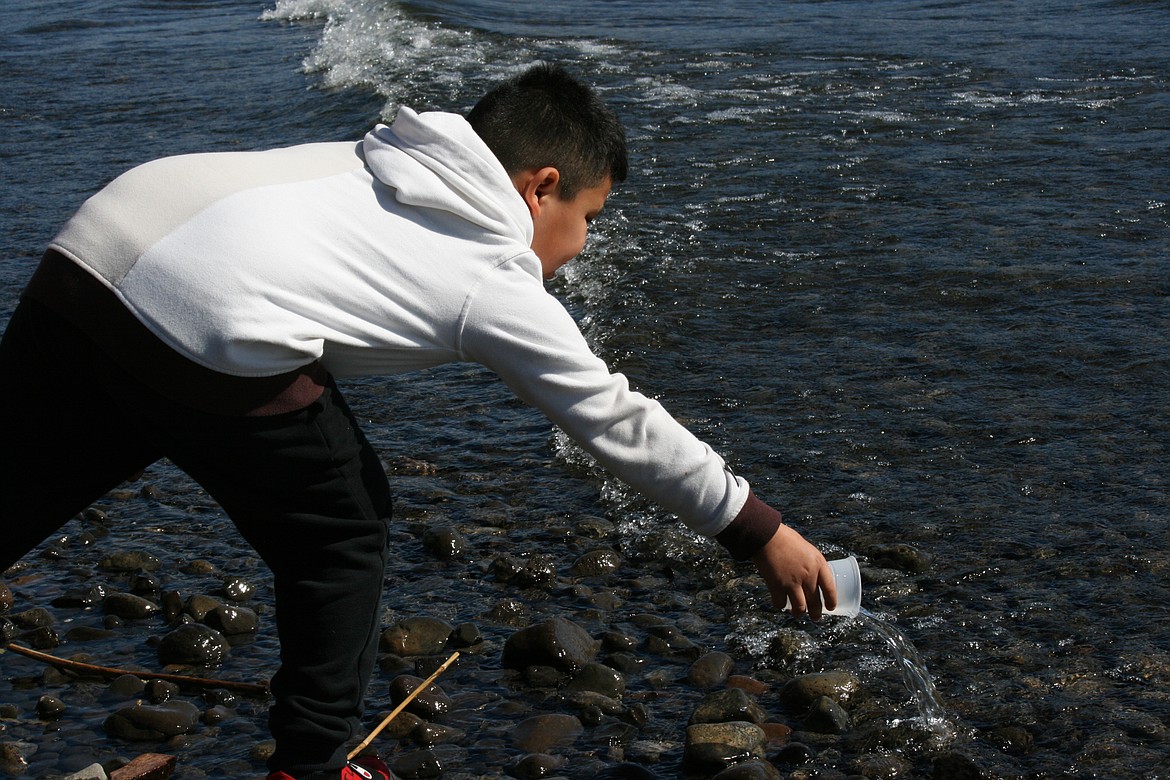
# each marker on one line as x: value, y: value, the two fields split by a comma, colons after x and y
x: 518, y: 330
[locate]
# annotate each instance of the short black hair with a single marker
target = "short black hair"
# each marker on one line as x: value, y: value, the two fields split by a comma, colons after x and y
x: 546, y: 117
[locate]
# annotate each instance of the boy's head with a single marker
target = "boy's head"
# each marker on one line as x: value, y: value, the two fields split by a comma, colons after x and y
x: 545, y: 118
x: 563, y: 148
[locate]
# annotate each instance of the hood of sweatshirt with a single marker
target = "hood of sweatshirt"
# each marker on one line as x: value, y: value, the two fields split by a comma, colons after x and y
x: 435, y: 160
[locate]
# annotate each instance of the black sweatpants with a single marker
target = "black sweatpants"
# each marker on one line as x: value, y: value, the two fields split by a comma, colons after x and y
x: 304, y: 488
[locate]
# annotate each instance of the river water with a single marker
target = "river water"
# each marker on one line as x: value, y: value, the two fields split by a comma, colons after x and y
x: 905, y: 263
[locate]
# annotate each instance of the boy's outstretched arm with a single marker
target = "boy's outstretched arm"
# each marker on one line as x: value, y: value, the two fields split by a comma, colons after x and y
x: 793, y: 570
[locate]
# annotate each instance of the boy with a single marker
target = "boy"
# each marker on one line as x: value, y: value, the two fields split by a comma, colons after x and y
x: 210, y: 300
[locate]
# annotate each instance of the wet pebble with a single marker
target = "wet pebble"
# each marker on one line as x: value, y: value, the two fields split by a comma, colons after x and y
x: 129, y: 606
x: 749, y: 770
x: 418, y: 765
x: 536, y: 765
x: 238, y: 589
x: 710, y: 670
x: 509, y: 612
x: 193, y: 645
x: 429, y: 704
x: 826, y: 717
x: 14, y: 757
x: 88, y: 634
x: 559, y: 643
x: 158, y: 691
x: 900, y: 556
x: 198, y: 605
x: 128, y: 561
x: 50, y: 708
x: 232, y: 620
x: 417, y: 636
x: 730, y: 704
x: 545, y: 733
x: 150, y: 722
x: 6, y: 599
x: 444, y: 543
x: 198, y: 566
x: 466, y: 635
x: 598, y: 678
x: 709, y: 746
x: 801, y: 692
x: 81, y: 597
x: 37, y: 617
x: 43, y: 638
x: 596, y: 563
x: 126, y: 686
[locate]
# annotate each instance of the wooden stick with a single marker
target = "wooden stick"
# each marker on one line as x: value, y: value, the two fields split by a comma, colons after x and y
x: 112, y: 672
x: 395, y: 712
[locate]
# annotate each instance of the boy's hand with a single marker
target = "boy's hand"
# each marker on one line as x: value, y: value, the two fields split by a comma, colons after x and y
x: 793, y: 570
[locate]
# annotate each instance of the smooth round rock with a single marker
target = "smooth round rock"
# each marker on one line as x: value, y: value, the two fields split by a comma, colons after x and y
x: 446, y: 544
x: 709, y: 746
x: 536, y: 765
x: 50, y: 707
x: 729, y: 704
x: 417, y: 636
x: 418, y: 765
x: 37, y: 617
x: 193, y: 645
x: 199, y: 605
x: 900, y: 556
x: 710, y: 670
x: 232, y: 620
x: 750, y: 770
x: 598, y: 678
x: 151, y: 722
x: 800, y: 692
x: 429, y: 704
x: 126, y: 686
x: 557, y: 642
x: 546, y: 733
x: 238, y: 589
x: 827, y: 717
x: 129, y: 606
x: 130, y: 560
x: 596, y: 563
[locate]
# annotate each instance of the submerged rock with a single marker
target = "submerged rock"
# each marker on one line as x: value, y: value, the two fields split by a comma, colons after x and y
x: 712, y: 746
x: 144, y: 722
x: 545, y: 733
x: 801, y: 692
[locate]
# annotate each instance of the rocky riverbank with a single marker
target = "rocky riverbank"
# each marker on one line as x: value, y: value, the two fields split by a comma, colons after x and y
x: 596, y: 657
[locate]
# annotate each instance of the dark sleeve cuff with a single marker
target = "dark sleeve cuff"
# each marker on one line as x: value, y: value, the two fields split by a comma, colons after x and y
x: 752, y: 528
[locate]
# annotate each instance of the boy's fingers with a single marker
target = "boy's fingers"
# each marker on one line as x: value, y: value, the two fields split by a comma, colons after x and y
x: 828, y: 586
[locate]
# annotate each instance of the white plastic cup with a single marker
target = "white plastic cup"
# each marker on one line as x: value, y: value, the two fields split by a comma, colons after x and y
x: 848, y: 577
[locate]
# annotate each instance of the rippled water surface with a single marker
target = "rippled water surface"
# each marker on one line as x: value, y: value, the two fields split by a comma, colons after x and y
x: 904, y: 263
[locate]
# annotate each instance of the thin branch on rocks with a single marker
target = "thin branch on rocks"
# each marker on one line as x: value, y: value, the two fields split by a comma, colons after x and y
x: 108, y: 671
x: 394, y: 713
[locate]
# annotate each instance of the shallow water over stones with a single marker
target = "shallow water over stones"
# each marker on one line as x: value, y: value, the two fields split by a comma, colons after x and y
x: 566, y: 670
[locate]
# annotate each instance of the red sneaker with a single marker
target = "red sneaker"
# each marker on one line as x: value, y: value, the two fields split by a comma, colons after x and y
x: 367, y: 768
x: 361, y: 768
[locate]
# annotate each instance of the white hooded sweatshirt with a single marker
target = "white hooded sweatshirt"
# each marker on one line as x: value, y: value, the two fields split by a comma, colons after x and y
x: 407, y: 250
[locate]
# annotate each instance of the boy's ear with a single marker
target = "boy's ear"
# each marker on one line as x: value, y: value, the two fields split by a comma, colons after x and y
x: 536, y: 184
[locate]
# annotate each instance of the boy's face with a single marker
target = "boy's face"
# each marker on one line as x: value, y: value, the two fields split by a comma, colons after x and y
x: 559, y: 226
